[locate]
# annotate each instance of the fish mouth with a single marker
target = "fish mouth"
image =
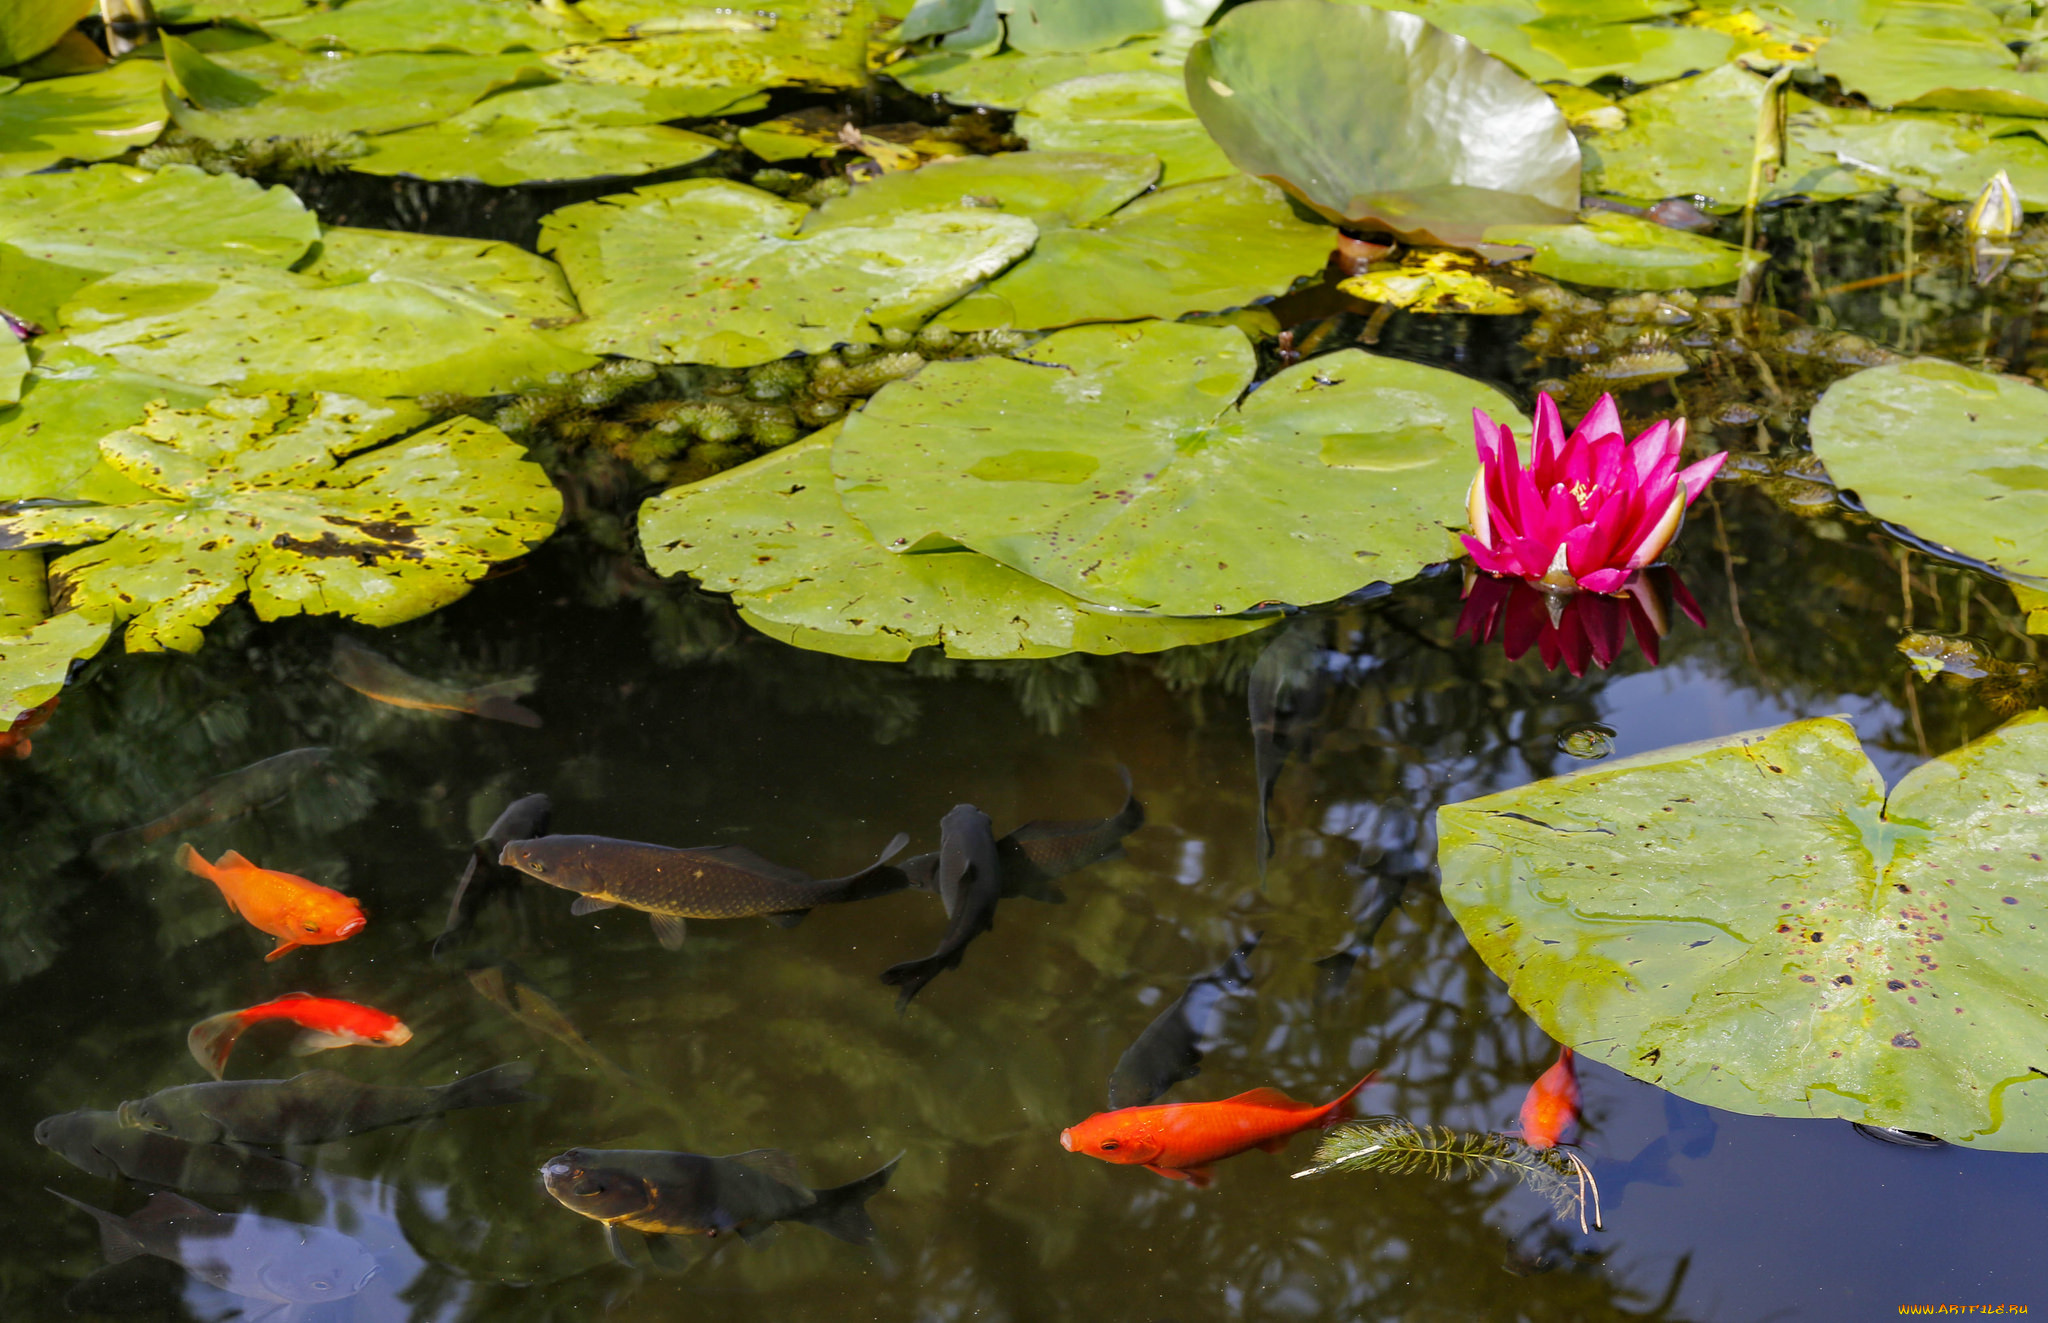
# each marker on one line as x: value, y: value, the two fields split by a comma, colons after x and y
x: 398, y: 1036
x: 1067, y: 1140
x: 352, y: 927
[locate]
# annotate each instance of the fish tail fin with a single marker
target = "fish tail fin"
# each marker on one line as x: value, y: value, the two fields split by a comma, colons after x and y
x: 499, y: 1086
x: 842, y: 1210
x: 213, y: 1038
x: 117, y: 1239
x: 1344, y: 1107
x: 879, y: 878
x: 193, y: 862
x: 518, y: 686
x: 912, y: 975
x: 499, y: 708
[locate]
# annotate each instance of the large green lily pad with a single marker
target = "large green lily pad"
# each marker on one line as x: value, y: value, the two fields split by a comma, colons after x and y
x: 1752, y: 923
x: 14, y: 367
x: 49, y: 442
x: 1614, y: 251
x: 377, y: 314
x: 1906, y: 61
x: 91, y: 117
x: 24, y: 591
x: 30, y: 27
x: 1050, y: 27
x: 1987, y: 497
x: 773, y: 534
x: 1576, y: 43
x: 1157, y: 489
x: 60, y: 232
x: 1202, y: 247
x: 369, y: 27
x: 1145, y: 112
x: 1050, y: 189
x: 817, y: 43
x: 1008, y: 80
x: 35, y: 662
x: 315, y: 505
x: 707, y: 271
x: 1947, y: 155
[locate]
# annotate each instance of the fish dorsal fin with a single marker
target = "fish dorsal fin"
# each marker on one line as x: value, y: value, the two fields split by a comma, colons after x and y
x: 1265, y: 1098
x: 740, y: 857
x: 293, y: 996
x: 232, y: 859
x: 163, y: 1206
x: 590, y: 905
x: 669, y: 930
x: 776, y: 1165
x: 309, y: 1079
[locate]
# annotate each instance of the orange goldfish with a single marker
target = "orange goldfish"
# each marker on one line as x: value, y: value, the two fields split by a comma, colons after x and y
x: 15, y: 741
x: 290, y: 908
x: 1181, y: 1140
x: 326, y: 1023
x: 1552, y: 1104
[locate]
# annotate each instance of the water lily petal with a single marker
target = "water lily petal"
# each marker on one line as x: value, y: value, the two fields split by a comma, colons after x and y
x: 1604, y: 581
x: 1696, y: 476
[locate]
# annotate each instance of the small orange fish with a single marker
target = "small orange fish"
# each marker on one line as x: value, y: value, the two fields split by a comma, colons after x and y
x: 1181, y: 1140
x: 288, y: 907
x: 1552, y: 1104
x: 326, y: 1022
x: 15, y: 741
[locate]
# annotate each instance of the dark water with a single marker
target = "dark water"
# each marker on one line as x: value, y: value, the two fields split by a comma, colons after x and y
x: 668, y: 721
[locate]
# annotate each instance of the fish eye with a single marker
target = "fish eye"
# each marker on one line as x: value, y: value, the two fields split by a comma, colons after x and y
x: 310, y: 926
x: 1111, y: 1145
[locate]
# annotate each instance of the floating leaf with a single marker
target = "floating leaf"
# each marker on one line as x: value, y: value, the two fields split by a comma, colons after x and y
x: 1144, y: 113
x: 317, y: 505
x: 1943, y: 154
x: 1196, y: 248
x: 1987, y: 497
x: 368, y: 27
x: 1437, y: 143
x: 1752, y: 923
x: 1049, y: 27
x: 30, y: 27
x: 14, y: 367
x: 1436, y: 281
x: 1050, y: 189
x: 662, y: 43
x: 772, y: 533
x: 24, y: 592
x: 2033, y: 601
x: 60, y: 232
x: 1007, y: 81
x: 1157, y: 489
x: 1928, y: 56
x: 88, y: 118
x: 1615, y: 251
x: 707, y: 271
x: 1577, y: 43
x: 35, y: 662
x: 377, y: 313
x: 49, y: 443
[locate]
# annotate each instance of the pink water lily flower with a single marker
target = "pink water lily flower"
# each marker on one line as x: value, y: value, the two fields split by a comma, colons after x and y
x: 1590, y: 509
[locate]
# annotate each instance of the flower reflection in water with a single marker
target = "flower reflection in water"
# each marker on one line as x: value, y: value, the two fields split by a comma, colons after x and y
x: 1580, y: 629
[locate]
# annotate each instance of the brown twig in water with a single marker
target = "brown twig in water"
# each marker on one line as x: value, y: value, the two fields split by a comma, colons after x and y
x: 1734, y: 594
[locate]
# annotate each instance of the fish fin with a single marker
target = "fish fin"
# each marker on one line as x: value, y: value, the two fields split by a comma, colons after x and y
x: 755, y: 1232
x: 505, y: 710
x: 499, y: 1086
x: 1170, y: 1173
x: 842, y: 1210
x: 590, y: 905
x: 1033, y: 887
x: 163, y: 1206
x: 912, y: 975
x: 1201, y: 1177
x: 293, y: 996
x: 1277, y: 1144
x: 212, y: 1039
x: 232, y: 859
x: 517, y: 686
x: 284, y: 944
x: 193, y: 862
x: 921, y: 872
x: 317, y: 1040
x: 1265, y: 1097
x: 617, y: 1246
x: 775, y: 1164
x: 667, y: 1253
x: 669, y: 930
x: 118, y: 1240
x: 1344, y: 1107
x: 788, y: 918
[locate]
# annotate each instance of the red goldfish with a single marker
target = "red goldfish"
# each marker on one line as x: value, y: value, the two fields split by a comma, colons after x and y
x: 325, y: 1021
x: 1181, y: 1140
x: 1552, y: 1104
x: 15, y: 741
x: 288, y: 907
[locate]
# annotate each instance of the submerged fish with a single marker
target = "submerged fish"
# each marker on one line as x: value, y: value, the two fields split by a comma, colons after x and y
x: 324, y: 1022
x: 1552, y: 1104
x: 704, y: 882
x: 288, y: 907
x: 1182, y: 1140
x: 374, y: 675
x: 259, y: 1258
x: 687, y: 1194
x: 484, y: 877
x: 316, y: 1107
x: 1170, y: 1048
x: 1379, y: 898
x: 229, y: 796
x: 1040, y: 852
x: 97, y: 1142
x: 15, y: 741
x: 505, y: 987
x: 970, y: 881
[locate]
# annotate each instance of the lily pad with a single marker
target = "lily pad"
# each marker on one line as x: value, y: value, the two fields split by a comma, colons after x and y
x: 1145, y: 112
x: 706, y: 271
x: 1945, y: 155
x: 1576, y: 43
x: 1986, y: 498
x: 1752, y: 923
x: 1436, y: 280
x: 1200, y: 247
x: 1050, y: 189
x: 773, y: 534
x: 49, y: 442
x: 1439, y: 142
x: 24, y: 592
x: 1008, y: 80
x: 91, y: 117
x: 315, y: 505
x: 1902, y: 61
x: 60, y: 232
x: 1158, y: 489
x: 1046, y: 27
x: 14, y: 367
x: 35, y: 662
x: 1615, y: 251
x: 663, y: 43
x: 30, y: 27
x: 377, y: 314
x: 369, y: 27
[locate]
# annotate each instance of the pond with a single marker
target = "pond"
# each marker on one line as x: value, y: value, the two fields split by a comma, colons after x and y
x: 1279, y: 864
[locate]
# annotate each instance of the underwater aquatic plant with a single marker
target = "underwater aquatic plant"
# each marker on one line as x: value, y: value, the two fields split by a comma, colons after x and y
x: 1588, y: 510
x: 1400, y: 1147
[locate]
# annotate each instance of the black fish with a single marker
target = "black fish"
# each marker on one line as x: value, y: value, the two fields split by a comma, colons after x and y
x: 260, y: 1258
x: 230, y: 795
x: 97, y: 1142
x: 484, y: 877
x: 314, y: 1107
x: 1040, y: 852
x: 704, y: 882
x: 660, y: 1193
x: 1284, y: 696
x: 1170, y: 1048
x: 1381, y: 897
x: 970, y: 881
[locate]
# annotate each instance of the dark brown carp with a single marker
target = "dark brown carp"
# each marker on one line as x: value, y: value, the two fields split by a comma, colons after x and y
x: 671, y: 885
x: 373, y: 675
x: 97, y: 1142
x: 1040, y: 852
x: 970, y: 881
x: 316, y: 1107
x: 484, y: 877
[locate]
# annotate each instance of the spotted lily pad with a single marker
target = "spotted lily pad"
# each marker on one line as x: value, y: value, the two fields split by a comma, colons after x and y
x: 368, y: 27
x: 1160, y: 488
x: 35, y: 662
x: 60, y: 232
x: 49, y: 442
x: 322, y: 504
x: 663, y: 43
x: 1439, y: 142
x: 91, y: 117
x: 1436, y: 280
x: 1146, y: 112
x: 1200, y: 247
x: 1753, y: 923
x: 1987, y: 497
x: 1614, y: 251
x: 773, y: 534
x: 707, y: 271
x: 1050, y: 189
